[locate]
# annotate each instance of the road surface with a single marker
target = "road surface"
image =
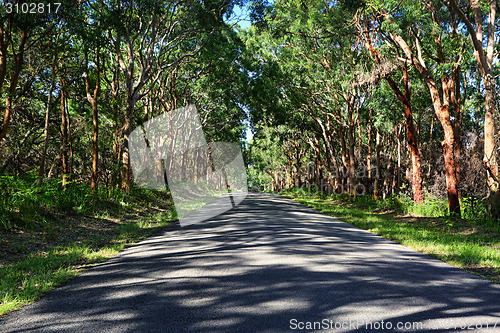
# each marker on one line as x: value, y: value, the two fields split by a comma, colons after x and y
x: 268, y: 265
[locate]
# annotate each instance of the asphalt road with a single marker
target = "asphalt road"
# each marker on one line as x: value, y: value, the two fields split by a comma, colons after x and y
x: 268, y: 265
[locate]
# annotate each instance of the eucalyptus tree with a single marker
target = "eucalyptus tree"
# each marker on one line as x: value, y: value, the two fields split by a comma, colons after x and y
x: 316, y: 48
x: 14, y: 36
x: 41, y: 170
x: 151, y: 40
x: 369, y: 31
x: 427, y: 34
x: 18, y: 33
x: 384, y: 121
x: 216, y: 80
x: 278, y: 101
x: 91, y: 30
x: 481, y: 34
x: 271, y: 149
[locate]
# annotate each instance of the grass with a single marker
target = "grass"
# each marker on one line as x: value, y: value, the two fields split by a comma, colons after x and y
x: 472, y: 244
x: 48, y: 236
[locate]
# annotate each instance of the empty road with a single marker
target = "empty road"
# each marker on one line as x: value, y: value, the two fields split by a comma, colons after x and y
x: 268, y: 265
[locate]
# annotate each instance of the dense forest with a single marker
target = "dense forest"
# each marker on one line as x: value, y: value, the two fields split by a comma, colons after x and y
x: 77, y: 77
x: 354, y: 97
x: 380, y: 98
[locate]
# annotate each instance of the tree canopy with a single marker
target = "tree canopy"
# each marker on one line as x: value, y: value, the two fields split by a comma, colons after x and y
x: 362, y: 97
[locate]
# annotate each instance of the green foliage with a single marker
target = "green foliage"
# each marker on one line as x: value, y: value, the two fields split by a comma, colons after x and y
x: 477, y: 210
x: 52, y: 248
x: 431, y: 207
x: 474, y: 211
x: 24, y: 205
x: 25, y: 281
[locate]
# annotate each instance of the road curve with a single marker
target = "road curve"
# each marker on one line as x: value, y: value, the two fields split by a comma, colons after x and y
x: 268, y: 265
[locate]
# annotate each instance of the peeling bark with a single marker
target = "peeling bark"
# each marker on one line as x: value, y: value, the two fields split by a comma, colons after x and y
x: 411, y: 135
x: 442, y: 109
x: 485, y: 61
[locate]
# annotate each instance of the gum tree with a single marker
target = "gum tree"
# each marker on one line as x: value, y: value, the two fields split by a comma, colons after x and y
x: 427, y: 35
x: 367, y: 27
x: 481, y: 34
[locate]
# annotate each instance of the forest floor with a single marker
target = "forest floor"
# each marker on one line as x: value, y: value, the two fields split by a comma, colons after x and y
x: 56, y: 246
x: 470, y: 245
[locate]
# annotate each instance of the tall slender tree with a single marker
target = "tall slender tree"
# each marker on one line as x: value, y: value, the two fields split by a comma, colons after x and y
x: 484, y: 59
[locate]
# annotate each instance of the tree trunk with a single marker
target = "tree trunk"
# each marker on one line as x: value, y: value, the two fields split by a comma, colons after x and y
x: 70, y: 141
x: 328, y: 141
x: 298, y: 164
x: 95, y: 146
x: 18, y: 65
x: 64, y: 136
x: 442, y: 109
x: 457, y: 126
x: 397, y: 179
x: 485, y: 62
x: 411, y: 135
x: 450, y: 168
x: 431, y: 149
x: 369, y: 155
x: 124, y: 134
x: 490, y: 160
x: 352, y: 143
x: 413, y: 145
x: 41, y: 170
x: 319, y: 166
x: 443, y: 114
x: 95, y: 119
x: 388, y: 175
x: 376, y: 184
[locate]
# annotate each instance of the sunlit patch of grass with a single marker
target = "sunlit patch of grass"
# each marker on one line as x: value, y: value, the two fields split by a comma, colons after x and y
x: 463, y: 243
x: 64, y: 253
x: 23, y: 282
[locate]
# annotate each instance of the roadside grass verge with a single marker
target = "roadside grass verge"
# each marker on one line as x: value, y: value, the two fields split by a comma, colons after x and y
x: 49, y: 245
x: 472, y: 245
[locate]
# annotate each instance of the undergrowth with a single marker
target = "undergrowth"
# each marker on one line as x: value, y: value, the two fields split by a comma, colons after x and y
x: 48, y: 235
x: 24, y: 205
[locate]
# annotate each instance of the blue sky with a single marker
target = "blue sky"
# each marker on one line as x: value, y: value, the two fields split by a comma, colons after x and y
x: 241, y: 17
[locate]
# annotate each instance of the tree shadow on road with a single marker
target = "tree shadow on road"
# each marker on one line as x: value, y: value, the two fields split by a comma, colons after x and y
x: 255, y: 269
